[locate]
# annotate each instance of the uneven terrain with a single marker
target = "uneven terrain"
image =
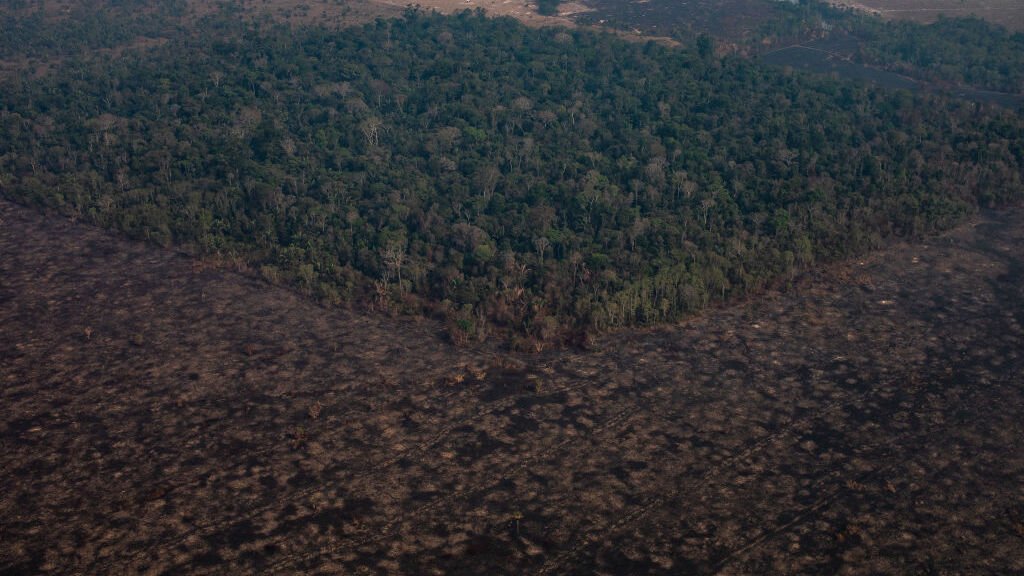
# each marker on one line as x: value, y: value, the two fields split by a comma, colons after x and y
x: 162, y: 416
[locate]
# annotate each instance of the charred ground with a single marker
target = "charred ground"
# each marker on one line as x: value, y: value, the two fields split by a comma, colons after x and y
x: 164, y: 415
x: 161, y: 416
x: 1006, y: 13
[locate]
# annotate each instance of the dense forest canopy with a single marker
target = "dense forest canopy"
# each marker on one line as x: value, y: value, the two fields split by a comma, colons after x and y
x: 966, y: 51
x: 536, y: 181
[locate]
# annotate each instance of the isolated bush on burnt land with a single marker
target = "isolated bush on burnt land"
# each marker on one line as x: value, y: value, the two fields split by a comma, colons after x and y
x: 548, y: 7
x: 531, y: 180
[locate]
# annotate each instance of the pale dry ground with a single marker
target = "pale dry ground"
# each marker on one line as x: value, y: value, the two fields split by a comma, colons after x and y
x: 163, y: 417
x: 331, y: 13
x: 328, y: 11
x: 525, y: 12
x: 1007, y: 13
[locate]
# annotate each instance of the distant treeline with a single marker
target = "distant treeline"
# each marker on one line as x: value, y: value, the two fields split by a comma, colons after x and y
x: 963, y: 51
x: 28, y: 32
x: 529, y: 181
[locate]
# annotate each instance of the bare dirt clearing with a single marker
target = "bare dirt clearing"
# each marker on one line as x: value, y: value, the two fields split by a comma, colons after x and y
x: 166, y: 418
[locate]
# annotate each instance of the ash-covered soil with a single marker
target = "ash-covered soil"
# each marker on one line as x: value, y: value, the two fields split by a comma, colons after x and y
x: 1006, y: 13
x: 163, y: 417
x: 732, y: 19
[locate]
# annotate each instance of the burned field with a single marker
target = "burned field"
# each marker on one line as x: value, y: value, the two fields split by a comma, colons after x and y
x: 165, y: 417
x: 734, y: 19
x: 1006, y: 13
x: 834, y: 57
x: 811, y: 58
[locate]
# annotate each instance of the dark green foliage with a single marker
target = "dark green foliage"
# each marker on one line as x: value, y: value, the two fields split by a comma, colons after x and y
x: 705, y: 46
x: 957, y: 51
x: 548, y: 7
x: 87, y: 27
x: 966, y: 51
x: 500, y: 175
